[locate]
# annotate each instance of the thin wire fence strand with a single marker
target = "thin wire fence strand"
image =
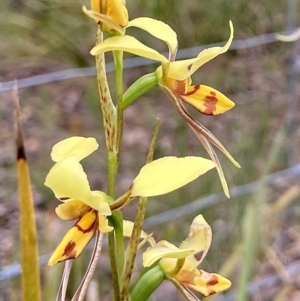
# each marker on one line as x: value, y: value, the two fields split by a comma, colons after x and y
x: 133, y: 62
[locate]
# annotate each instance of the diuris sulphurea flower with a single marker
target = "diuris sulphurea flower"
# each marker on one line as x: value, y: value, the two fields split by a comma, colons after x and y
x: 180, y: 263
x: 174, y: 77
x: 70, y: 185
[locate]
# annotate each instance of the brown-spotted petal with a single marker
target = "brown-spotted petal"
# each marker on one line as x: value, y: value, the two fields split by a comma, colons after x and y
x: 210, y: 283
x: 76, y: 238
x: 207, y: 100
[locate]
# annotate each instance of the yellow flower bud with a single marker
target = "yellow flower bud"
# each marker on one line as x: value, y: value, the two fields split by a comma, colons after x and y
x: 115, y: 9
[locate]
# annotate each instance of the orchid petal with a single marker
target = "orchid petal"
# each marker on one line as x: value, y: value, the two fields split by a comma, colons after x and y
x: 80, y: 147
x: 207, y: 100
x: 67, y: 179
x: 185, y: 68
x: 76, y: 239
x: 167, y: 174
x: 128, y: 44
x: 164, y: 249
x: 210, y: 283
x: 72, y: 209
x: 159, y: 30
x: 199, y: 239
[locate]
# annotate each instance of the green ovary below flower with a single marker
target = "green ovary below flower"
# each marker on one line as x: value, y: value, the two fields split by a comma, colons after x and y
x: 174, y: 77
x: 69, y: 183
x: 180, y: 264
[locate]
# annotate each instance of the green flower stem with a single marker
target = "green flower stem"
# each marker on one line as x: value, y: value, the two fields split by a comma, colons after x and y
x: 113, y: 264
x: 148, y: 283
x: 139, y: 88
x: 118, y: 60
x: 116, y: 220
x: 137, y: 229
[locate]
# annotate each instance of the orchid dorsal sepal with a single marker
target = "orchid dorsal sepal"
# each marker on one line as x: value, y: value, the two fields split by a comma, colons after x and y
x: 148, y: 283
x: 78, y: 146
x: 139, y: 88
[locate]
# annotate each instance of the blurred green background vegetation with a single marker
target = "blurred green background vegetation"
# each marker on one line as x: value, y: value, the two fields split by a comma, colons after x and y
x: 256, y: 234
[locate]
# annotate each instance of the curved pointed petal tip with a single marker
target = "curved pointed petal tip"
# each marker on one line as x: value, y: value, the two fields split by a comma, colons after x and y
x: 183, y: 69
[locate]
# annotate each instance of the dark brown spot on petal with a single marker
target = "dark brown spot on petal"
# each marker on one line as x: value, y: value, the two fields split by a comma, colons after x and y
x: 89, y: 229
x: 64, y: 198
x: 213, y: 280
x: 190, y: 67
x: 210, y: 102
x: 198, y: 256
x: 195, y: 89
x: 69, y: 251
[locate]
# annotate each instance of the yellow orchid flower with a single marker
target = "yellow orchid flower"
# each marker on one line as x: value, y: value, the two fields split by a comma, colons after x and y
x: 180, y: 264
x: 174, y: 77
x: 70, y: 185
x: 112, y: 14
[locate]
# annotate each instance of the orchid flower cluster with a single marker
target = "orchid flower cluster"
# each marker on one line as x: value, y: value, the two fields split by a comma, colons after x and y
x: 98, y: 213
